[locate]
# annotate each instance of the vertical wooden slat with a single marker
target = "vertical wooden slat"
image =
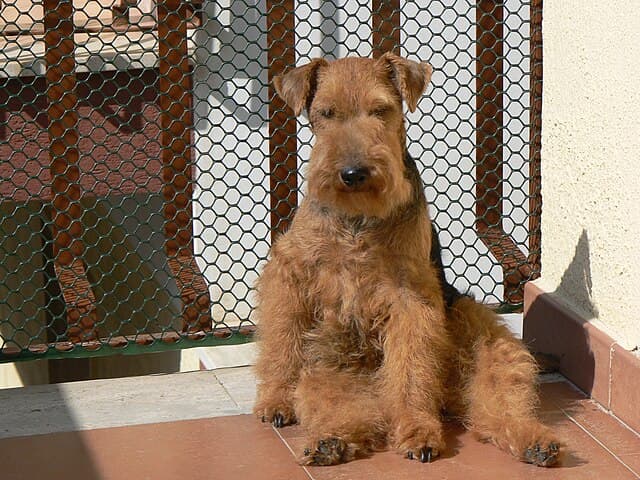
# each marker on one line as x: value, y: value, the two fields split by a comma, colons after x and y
x: 66, y: 211
x: 489, y: 148
x: 385, y: 27
x: 283, y: 162
x: 535, y: 138
x: 176, y: 124
x: 489, y: 88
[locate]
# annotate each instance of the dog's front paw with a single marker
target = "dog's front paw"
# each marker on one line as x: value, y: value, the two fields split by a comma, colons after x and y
x: 420, y: 442
x: 328, y: 451
x: 279, y: 419
x: 427, y: 454
x: 279, y: 414
x: 542, y: 453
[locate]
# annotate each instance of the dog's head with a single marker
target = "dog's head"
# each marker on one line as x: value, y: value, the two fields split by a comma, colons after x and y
x: 355, y: 108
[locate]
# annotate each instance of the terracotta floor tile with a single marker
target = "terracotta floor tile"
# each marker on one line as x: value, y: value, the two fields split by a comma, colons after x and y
x: 559, y: 395
x: 223, y: 448
x: 621, y: 441
x: 632, y: 461
x: 606, y: 428
x: 467, y: 458
x: 241, y: 448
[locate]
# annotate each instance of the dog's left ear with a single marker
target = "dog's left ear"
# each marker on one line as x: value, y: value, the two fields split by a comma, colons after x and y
x: 411, y: 78
x: 298, y: 85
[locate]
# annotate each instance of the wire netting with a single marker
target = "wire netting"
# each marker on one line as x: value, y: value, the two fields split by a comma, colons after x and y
x: 146, y: 163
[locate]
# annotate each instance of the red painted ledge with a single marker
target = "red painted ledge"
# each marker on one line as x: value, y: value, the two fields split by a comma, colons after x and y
x: 585, y: 354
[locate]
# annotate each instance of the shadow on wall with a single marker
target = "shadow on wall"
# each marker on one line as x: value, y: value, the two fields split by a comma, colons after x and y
x: 562, y: 344
x: 576, y: 282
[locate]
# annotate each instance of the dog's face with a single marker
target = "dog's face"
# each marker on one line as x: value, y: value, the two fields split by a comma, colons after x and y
x: 355, y: 108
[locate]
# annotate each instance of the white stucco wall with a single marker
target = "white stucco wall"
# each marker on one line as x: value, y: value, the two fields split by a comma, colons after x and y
x: 591, y: 161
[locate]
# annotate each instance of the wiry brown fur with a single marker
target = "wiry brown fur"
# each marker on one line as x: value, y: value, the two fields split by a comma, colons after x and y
x: 357, y: 342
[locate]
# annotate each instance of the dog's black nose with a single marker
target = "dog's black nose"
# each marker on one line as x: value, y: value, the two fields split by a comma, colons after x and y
x: 354, y: 176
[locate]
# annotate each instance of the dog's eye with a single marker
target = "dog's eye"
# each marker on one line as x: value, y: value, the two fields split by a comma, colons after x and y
x: 380, y: 111
x: 327, y: 113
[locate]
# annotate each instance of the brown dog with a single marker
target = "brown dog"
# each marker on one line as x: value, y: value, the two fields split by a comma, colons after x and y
x: 362, y: 341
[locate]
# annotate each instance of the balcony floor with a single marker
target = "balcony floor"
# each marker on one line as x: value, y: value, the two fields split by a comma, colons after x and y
x: 196, y: 426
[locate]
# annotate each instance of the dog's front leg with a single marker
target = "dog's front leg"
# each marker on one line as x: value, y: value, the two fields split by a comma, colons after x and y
x: 283, y: 319
x: 414, y: 345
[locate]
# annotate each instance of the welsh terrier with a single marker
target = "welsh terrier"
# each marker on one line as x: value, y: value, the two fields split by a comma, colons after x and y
x: 361, y: 339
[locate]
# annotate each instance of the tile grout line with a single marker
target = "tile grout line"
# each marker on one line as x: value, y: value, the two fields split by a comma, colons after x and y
x: 291, y: 450
x: 610, y: 376
x: 574, y: 421
x: 228, y: 392
x: 612, y: 414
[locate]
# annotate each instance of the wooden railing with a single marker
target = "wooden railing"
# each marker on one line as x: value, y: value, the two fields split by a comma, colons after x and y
x: 64, y: 185
x: 26, y: 17
x: 168, y: 169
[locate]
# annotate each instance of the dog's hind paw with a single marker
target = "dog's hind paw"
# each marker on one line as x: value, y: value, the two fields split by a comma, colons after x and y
x: 542, y: 455
x: 328, y: 451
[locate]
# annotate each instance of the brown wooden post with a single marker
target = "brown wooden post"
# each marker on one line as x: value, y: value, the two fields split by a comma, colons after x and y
x: 66, y: 211
x: 283, y: 163
x: 385, y: 27
x: 489, y: 151
x: 535, y: 138
x: 489, y: 88
x: 176, y: 124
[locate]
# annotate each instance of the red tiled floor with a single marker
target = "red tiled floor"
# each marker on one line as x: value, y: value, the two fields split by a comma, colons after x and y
x: 467, y: 458
x: 240, y: 447
x: 558, y: 396
x: 632, y: 461
x: 221, y: 448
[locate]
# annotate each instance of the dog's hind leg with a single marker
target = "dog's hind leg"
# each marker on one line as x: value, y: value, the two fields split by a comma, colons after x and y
x: 500, y: 392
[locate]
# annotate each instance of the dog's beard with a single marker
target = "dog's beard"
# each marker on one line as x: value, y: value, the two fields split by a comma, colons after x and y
x: 384, y: 192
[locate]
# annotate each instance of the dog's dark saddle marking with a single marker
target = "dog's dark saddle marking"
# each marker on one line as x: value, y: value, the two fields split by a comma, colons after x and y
x: 450, y: 293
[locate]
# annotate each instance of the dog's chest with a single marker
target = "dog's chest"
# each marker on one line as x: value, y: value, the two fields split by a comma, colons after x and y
x: 347, y: 275
x: 349, y: 310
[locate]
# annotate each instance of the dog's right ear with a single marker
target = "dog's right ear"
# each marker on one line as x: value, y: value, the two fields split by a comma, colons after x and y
x: 298, y: 86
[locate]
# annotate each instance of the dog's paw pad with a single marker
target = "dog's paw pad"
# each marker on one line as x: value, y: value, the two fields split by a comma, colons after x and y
x: 542, y: 456
x: 328, y: 451
x: 424, y: 454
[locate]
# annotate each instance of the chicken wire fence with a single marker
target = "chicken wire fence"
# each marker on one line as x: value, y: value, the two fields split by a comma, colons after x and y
x: 146, y: 163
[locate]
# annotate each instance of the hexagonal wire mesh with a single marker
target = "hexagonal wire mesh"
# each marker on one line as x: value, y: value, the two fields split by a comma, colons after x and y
x: 147, y: 163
